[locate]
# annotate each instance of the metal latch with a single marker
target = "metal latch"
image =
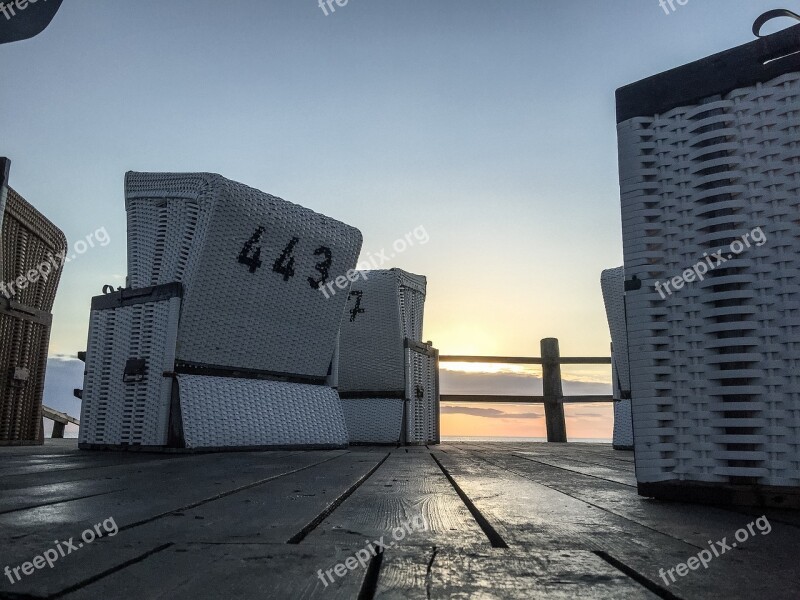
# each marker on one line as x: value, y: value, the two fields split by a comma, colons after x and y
x: 633, y: 284
x: 135, y: 370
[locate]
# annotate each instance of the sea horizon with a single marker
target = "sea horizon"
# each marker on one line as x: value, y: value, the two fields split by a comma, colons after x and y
x: 510, y: 439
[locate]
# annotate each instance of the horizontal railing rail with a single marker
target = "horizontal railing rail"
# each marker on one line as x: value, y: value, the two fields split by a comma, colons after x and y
x: 527, y: 360
x: 492, y: 399
x: 59, y: 420
x: 553, y: 398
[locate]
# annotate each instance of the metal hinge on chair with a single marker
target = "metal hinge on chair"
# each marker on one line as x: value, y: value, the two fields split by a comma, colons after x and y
x: 633, y: 284
x: 19, y: 376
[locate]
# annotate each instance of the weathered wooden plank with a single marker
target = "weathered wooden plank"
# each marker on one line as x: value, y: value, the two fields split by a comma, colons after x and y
x: 589, y: 458
x: 269, y: 513
x: 606, y: 451
x: 406, y: 487
x: 44, y: 487
x: 605, y: 516
x: 79, y: 565
x: 508, y: 574
x: 175, y: 485
x: 533, y: 514
x: 577, y: 466
x: 207, y: 526
x: 200, y: 571
x: 62, y: 464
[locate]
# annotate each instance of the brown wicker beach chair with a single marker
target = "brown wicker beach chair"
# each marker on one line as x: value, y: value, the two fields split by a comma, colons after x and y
x: 27, y: 240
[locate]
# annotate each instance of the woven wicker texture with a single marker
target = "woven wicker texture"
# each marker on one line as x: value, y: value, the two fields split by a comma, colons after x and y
x: 229, y: 412
x: 422, y: 414
x: 3, y: 200
x: 623, y: 426
x: 382, y: 311
x: 612, y: 282
x: 385, y: 309
x: 250, y: 264
x: 24, y: 346
x: 28, y: 239
x: 373, y: 420
x: 715, y: 366
x: 135, y: 413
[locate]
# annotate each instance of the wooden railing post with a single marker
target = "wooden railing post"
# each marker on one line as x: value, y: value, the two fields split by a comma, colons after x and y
x: 58, y: 430
x: 552, y: 391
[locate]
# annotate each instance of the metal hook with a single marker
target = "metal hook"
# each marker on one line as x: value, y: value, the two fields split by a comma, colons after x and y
x: 769, y: 15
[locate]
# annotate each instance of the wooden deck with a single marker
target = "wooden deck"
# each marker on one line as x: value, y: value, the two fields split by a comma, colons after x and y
x: 501, y: 520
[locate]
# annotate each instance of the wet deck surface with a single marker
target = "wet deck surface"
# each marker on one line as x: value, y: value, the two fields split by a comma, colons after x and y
x: 477, y: 520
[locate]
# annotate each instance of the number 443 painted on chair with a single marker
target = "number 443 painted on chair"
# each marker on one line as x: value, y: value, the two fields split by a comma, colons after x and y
x: 284, y: 265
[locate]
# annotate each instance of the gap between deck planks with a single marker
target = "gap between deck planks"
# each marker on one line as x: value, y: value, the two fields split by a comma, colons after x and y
x: 584, y: 511
x: 217, y: 525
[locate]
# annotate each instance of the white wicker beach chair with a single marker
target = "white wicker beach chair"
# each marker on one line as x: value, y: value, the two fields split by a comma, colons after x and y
x: 613, y: 285
x: 223, y: 338
x: 709, y: 153
x: 388, y: 379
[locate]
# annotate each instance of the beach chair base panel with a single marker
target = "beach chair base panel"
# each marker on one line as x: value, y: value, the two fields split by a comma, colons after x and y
x: 374, y: 420
x: 126, y: 398
x: 225, y: 411
x: 133, y: 398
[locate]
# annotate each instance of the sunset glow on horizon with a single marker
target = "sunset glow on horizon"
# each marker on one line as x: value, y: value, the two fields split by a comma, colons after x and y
x: 505, y: 151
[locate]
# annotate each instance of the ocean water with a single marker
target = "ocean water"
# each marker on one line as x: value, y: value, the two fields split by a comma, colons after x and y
x: 467, y: 438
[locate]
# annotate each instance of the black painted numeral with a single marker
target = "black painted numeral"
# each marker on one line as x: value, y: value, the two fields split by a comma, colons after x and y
x: 322, y: 267
x: 250, y: 256
x: 357, y: 308
x: 284, y: 264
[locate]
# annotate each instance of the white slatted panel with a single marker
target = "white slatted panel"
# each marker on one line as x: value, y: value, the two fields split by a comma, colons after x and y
x: 114, y: 412
x: 613, y: 286
x: 715, y: 367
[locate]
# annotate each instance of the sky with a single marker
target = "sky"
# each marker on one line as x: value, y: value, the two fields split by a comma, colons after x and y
x: 490, y: 125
